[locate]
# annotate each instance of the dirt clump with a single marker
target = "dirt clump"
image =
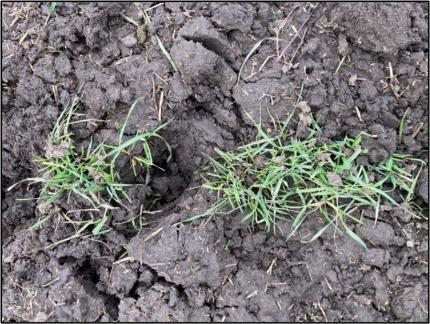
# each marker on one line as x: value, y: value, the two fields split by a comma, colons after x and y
x: 380, y: 27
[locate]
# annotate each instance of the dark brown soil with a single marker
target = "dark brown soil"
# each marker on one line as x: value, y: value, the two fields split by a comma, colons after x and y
x: 216, y: 269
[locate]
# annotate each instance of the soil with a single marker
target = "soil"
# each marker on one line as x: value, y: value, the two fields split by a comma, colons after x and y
x: 216, y: 269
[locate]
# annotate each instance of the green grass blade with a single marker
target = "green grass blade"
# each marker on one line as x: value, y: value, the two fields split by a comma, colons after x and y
x: 166, y: 53
x: 402, y: 125
x: 413, y: 185
x: 97, y: 229
x: 248, y: 56
x: 355, y: 237
x: 317, y: 234
x: 40, y: 222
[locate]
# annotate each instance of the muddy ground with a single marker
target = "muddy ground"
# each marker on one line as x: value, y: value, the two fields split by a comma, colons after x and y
x: 217, y: 269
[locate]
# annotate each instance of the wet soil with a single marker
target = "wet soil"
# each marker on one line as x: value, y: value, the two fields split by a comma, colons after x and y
x: 217, y: 269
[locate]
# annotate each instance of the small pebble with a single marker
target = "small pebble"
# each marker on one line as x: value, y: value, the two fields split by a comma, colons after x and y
x: 129, y: 41
x: 410, y: 244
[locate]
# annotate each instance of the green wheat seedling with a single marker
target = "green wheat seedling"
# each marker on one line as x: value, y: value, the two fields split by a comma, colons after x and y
x: 51, y: 11
x: 275, y: 177
x: 90, y: 173
x: 402, y: 125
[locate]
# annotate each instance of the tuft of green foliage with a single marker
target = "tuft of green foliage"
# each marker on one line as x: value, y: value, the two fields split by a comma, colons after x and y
x: 275, y: 177
x: 89, y: 173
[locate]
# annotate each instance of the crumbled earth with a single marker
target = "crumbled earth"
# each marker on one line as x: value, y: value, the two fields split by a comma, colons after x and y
x: 359, y: 67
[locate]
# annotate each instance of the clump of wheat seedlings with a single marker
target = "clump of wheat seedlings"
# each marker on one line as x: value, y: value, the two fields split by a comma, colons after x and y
x: 275, y: 177
x: 90, y: 173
